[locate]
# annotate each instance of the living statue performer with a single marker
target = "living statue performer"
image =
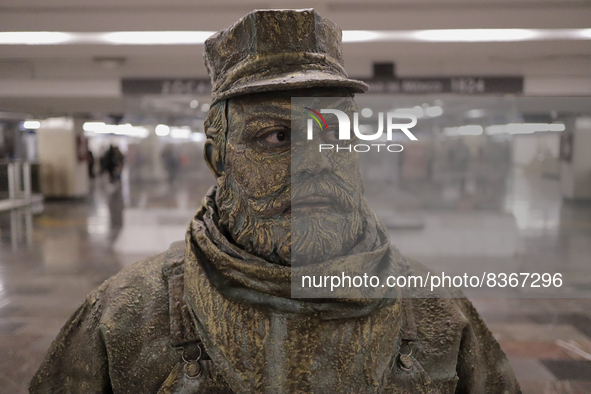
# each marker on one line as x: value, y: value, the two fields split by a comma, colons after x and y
x: 215, y: 313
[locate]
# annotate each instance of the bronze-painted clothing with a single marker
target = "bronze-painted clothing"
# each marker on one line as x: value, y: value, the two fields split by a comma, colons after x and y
x: 213, y: 319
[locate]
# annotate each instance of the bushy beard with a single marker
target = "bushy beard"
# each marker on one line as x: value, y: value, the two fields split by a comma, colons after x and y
x: 267, y: 227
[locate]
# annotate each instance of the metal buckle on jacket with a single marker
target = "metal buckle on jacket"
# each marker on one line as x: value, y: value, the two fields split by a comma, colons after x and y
x: 405, y: 361
x: 192, y: 369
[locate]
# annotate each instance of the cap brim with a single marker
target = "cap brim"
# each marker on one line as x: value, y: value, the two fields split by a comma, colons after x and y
x: 295, y: 80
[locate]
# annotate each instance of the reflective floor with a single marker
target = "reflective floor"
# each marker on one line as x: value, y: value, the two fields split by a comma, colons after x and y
x: 52, y: 256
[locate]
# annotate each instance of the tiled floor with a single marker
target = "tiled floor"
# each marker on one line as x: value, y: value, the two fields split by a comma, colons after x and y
x: 548, y: 341
x: 51, y: 259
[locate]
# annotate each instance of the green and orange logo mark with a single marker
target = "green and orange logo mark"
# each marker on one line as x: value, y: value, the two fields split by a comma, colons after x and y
x: 315, y: 115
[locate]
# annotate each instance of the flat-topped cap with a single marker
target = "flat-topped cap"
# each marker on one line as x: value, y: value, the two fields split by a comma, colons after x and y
x: 271, y: 50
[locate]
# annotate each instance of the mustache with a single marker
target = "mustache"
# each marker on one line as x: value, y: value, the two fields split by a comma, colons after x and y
x: 343, y: 195
x: 328, y: 186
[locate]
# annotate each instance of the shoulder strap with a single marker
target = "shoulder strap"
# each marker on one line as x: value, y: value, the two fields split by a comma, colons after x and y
x: 182, y: 327
x: 409, y: 328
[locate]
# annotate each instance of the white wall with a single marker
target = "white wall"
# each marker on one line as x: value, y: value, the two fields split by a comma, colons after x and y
x: 526, y: 148
x: 62, y: 174
x: 576, y: 175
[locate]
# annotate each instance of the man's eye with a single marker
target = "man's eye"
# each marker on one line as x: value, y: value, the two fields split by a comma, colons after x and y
x: 276, y: 138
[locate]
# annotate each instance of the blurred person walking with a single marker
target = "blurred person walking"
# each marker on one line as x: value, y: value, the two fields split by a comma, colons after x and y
x: 90, y: 161
x: 114, y: 160
x: 172, y: 162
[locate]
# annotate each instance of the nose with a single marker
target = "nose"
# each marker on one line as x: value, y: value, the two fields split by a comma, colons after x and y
x: 308, y: 161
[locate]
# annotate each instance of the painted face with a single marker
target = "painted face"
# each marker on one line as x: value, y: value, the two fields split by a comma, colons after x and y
x: 279, y: 197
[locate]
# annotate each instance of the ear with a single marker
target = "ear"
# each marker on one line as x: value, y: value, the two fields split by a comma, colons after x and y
x: 213, y: 158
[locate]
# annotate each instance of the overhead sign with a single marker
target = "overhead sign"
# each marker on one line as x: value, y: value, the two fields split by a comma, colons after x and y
x: 423, y: 85
x: 166, y: 86
x: 455, y: 85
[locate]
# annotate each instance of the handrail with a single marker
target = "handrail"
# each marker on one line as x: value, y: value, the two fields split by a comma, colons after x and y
x: 19, y: 178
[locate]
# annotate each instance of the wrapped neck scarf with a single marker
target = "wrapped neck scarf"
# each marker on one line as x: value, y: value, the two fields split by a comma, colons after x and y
x: 263, y: 340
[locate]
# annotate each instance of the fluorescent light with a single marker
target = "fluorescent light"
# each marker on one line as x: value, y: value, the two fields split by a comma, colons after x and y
x: 463, y: 130
x: 434, y: 111
x: 105, y: 38
x: 362, y: 35
x: 162, y: 130
x: 349, y: 36
x: 524, y: 128
x: 366, y: 112
x: 450, y: 131
x: 35, y: 37
x: 475, y: 113
x: 197, y: 137
x: 180, y: 132
x: 123, y: 129
x: 465, y: 35
x: 469, y: 35
x: 583, y: 123
x: 31, y: 124
x: 476, y: 35
x: 194, y: 104
x: 156, y: 37
x: 470, y: 130
x: 58, y: 123
x: 496, y: 129
x: 91, y: 126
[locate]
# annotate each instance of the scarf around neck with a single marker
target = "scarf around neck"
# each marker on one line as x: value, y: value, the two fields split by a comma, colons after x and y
x: 266, y: 341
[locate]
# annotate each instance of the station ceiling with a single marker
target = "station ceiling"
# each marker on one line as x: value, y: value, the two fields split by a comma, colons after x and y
x: 67, y: 79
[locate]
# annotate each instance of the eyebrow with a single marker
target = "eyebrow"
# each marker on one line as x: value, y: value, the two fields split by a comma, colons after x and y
x: 279, y: 113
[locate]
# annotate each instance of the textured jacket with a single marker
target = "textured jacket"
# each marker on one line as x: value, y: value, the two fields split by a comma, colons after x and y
x: 130, y: 334
x: 208, y: 317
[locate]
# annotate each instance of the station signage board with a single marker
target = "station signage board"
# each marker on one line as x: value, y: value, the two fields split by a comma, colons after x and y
x: 464, y: 85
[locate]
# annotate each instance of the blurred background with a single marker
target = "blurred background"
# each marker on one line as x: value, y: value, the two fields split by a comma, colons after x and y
x: 101, y: 135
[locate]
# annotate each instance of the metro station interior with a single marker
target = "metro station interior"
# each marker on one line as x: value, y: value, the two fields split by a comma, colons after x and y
x: 102, y: 109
